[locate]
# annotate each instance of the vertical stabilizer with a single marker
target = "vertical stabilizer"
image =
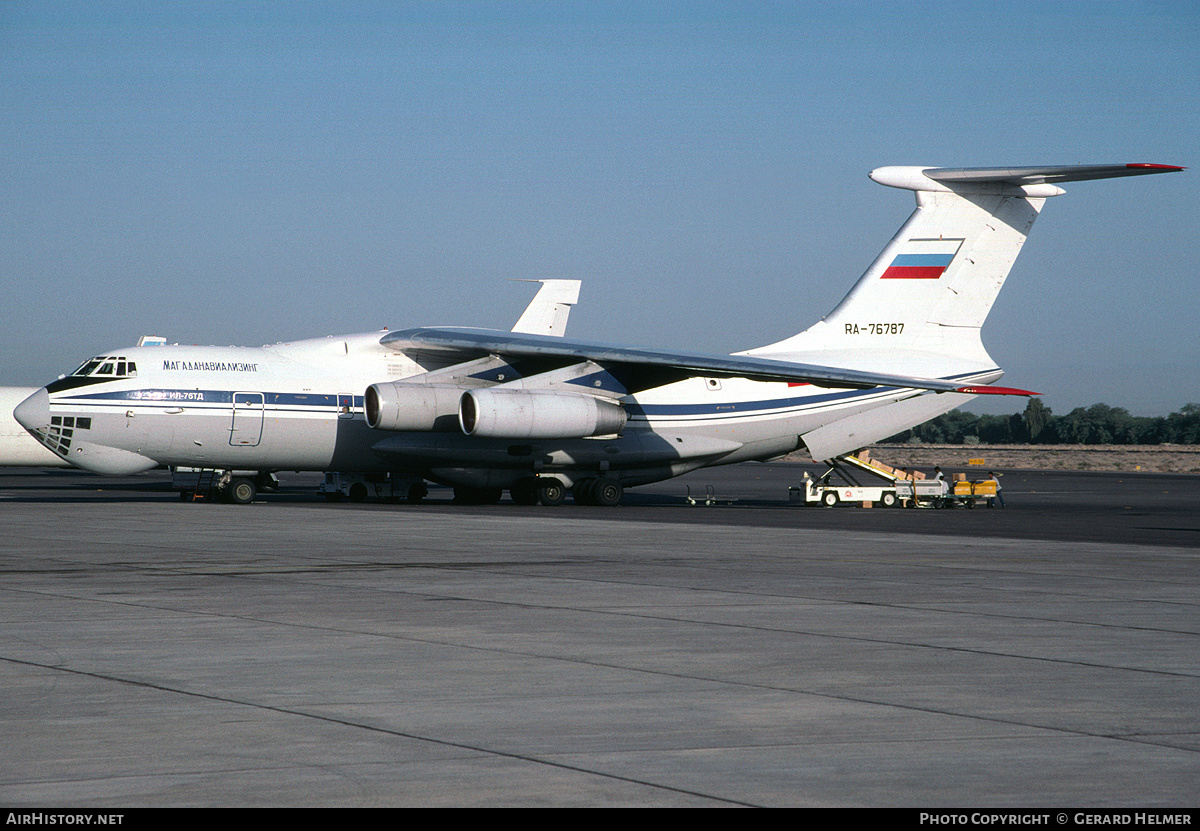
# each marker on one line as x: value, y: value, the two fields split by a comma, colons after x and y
x: 920, y: 306
x: 931, y: 288
x: 548, y: 311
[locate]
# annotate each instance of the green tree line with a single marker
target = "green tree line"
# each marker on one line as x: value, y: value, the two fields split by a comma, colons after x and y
x: 1097, y: 424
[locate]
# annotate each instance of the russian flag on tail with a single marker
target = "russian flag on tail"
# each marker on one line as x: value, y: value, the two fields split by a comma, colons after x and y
x: 922, y: 259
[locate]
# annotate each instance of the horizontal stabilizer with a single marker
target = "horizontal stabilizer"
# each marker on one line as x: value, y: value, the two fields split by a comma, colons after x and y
x: 1040, y: 175
x: 1026, y: 181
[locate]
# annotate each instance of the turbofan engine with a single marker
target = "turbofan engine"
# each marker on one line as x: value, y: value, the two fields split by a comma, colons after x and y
x: 537, y: 414
x: 412, y: 407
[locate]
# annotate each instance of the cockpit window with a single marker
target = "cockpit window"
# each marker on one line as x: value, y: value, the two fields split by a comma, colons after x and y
x: 109, y: 366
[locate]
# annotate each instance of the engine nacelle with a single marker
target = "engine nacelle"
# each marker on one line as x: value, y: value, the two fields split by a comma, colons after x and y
x: 537, y: 414
x: 412, y: 407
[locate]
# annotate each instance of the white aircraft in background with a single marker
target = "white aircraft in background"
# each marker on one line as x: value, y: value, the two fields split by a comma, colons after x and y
x: 17, y: 447
x: 537, y: 414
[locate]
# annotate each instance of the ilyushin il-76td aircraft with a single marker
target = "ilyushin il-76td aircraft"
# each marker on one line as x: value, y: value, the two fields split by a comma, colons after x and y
x: 534, y: 413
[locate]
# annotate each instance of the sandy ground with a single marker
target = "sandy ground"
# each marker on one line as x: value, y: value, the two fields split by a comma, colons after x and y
x: 1163, y: 458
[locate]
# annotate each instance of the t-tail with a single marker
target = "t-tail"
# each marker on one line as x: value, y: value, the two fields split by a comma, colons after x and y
x: 919, y: 308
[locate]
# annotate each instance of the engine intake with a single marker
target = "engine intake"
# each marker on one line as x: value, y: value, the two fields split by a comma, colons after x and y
x: 537, y: 414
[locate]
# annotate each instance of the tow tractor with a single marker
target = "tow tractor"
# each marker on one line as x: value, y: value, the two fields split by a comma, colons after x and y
x: 243, y: 486
x: 359, y: 486
x: 887, y: 487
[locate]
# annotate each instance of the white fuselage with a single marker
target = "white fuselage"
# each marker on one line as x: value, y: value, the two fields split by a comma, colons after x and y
x: 299, y: 406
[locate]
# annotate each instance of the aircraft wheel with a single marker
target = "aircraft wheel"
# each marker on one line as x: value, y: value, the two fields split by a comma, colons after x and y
x: 524, y: 492
x: 551, y: 492
x: 607, y: 492
x: 888, y: 500
x: 242, y: 491
x: 417, y: 492
x: 358, y: 492
x: 583, y: 492
x: 829, y: 499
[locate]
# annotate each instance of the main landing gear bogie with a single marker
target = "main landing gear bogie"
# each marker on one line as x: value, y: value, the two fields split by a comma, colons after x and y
x: 549, y: 491
x: 602, y: 491
x: 538, y: 491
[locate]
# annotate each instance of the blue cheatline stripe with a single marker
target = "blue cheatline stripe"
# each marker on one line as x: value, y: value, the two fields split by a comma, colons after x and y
x: 159, y: 396
x: 284, y: 402
x: 296, y: 401
x: 165, y: 396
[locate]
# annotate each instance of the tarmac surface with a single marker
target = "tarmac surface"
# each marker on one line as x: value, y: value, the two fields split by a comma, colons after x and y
x: 296, y: 652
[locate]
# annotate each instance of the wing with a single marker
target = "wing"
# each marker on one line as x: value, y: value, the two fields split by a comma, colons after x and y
x: 640, y: 368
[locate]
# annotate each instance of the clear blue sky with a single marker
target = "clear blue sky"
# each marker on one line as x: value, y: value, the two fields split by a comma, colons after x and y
x: 247, y: 173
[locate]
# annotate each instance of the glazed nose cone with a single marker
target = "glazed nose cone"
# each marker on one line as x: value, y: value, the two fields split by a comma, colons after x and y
x: 34, y: 412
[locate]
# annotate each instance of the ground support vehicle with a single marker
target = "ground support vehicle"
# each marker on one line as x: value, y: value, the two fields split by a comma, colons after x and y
x: 869, y: 482
x: 358, y: 487
x: 876, y: 487
x: 816, y: 491
x: 922, y: 493
x: 968, y: 494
